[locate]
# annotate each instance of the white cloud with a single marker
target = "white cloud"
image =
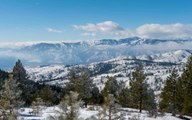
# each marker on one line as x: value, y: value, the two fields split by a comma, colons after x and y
x: 106, y: 27
x: 165, y: 31
x: 88, y: 34
x: 53, y: 30
x: 159, y: 31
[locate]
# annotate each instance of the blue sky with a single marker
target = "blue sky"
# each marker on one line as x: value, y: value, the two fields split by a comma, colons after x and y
x: 55, y: 20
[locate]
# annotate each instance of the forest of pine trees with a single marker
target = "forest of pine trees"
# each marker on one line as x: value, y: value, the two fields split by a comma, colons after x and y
x: 16, y: 91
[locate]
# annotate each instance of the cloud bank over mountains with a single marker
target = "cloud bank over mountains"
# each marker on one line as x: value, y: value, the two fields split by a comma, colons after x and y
x: 83, y: 52
x: 158, y: 31
x: 165, y: 31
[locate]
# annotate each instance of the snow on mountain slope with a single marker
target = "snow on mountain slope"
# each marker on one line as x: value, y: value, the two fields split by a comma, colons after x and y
x: 156, y: 67
x: 85, y: 52
x: 178, y: 56
x: 175, y: 58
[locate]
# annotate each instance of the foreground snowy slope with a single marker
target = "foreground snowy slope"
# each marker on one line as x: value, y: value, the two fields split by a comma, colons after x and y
x: 85, y: 113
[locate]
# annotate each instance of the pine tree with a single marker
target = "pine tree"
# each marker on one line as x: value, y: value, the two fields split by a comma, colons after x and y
x: 139, y: 93
x: 96, y: 96
x: 168, y: 95
x: 186, y: 81
x: 70, y: 106
x: 179, y: 96
x: 82, y: 84
x: 36, y: 106
x: 47, y: 95
x: 111, y: 87
x: 73, y: 80
x: 110, y: 109
x: 3, y: 75
x: 19, y: 72
x: 86, y: 87
x: 149, y: 102
x: 20, y: 75
x: 123, y: 98
x: 10, y: 99
x: 137, y: 87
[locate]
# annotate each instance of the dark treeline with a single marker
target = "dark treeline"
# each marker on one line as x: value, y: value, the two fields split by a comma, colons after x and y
x: 17, y: 91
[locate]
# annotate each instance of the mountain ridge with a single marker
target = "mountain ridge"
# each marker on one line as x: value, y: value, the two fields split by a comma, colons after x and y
x: 85, y: 52
x: 158, y: 60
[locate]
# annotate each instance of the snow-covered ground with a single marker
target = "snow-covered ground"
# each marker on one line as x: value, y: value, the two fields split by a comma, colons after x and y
x: 85, y: 113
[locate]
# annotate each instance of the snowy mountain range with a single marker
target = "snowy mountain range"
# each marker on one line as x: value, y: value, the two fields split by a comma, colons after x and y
x: 50, y: 62
x: 156, y: 68
x: 85, y: 52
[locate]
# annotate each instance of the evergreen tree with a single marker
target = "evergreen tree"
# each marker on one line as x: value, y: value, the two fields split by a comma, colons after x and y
x: 58, y: 93
x: 179, y: 96
x: 123, y: 98
x: 139, y: 93
x: 47, y: 95
x: 3, y: 75
x: 109, y: 110
x: 149, y: 101
x: 10, y: 99
x: 168, y: 95
x: 111, y: 87
x: 20, y: 75
x: 70, y: 107
x: 186, y: 81
x: 85, y: 87
x: 73, y: 80
x: 36, y: 106
x: 96, y: 96
x: 82, y: 84
x: 19, y: 72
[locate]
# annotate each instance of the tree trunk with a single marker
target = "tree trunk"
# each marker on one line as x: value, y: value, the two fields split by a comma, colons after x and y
x: 110, y: 113
x: 174, y: 100
x: 86, y: 101
x: 140, y: 103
